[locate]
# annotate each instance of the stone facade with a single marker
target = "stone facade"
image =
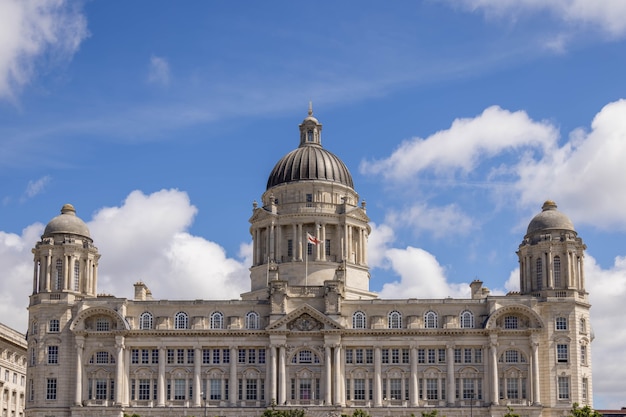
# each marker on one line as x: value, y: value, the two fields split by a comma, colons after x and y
x: 309, y: 334
x: 12, y: 372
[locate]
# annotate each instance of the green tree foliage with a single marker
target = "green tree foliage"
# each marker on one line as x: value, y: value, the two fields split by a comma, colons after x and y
x: 433, y: 413
x: 273, y: 412
x: 510, y: 412
x: 585, y: 411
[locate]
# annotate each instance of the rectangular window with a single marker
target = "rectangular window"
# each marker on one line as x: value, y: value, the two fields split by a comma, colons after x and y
x: 144, y: 389
x: 155, y: 355
x: 561, y: 353
x: 457, y: 355
x: 251, y: 389
x: 53, y: 355
x: 225, y: 356
x: 251, y: 355
x: 191, y: 355
x: 385, y: 355
x: 395, y: 388
x: 478, y: 355
x: 134, y: 356
x: 216, y: 389
x: 145, y: 356
x: 206, y: 356
x: 216, y: 356
x: 349, y: 356
x: 467, y: 355
x: 359, y: 389
x: 369, y: 355
x: 583, y: 354
x: 309, y: 200
x: 327, y: 247
x: 179, y: 389
x: 54, y: 326
x: 561, y: 323
x: 585, y: 388
x: 432, y: 392
x: 563, y: 387
x: 261, y: 355
x: 395, y: 355
x: 442, y: 356
x: 421, y: 357
x: 170, y: 356
x: 358, y: 355
x: 180, y: 355
x: 512, y: 388
x: 431, y: 355
x: 242, y: 356
x: 51, y: 389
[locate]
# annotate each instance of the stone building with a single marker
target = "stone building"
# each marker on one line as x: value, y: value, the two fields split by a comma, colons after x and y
x: 12, y: 372
x: 309, y: 333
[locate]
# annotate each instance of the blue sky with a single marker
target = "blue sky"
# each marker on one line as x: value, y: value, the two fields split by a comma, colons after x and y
x: 457, y: 119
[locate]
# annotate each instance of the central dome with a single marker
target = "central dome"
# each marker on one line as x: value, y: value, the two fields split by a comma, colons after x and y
x: 310, y: 161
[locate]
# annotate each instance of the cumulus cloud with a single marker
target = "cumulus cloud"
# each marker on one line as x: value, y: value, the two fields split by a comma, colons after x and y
x: 590, y: 164
x: 32, y: 30
x: 378, y: 242
x: 608, y: 16
x: 461, y: 147
x: 145, y: 239
x: 421, y: 276
x: 159, y: 71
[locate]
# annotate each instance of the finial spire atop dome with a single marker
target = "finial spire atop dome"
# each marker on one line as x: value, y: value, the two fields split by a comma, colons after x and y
x: 310, y: 130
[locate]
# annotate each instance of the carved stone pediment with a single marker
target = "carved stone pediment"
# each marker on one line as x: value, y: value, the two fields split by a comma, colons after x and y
x: 305, y: 323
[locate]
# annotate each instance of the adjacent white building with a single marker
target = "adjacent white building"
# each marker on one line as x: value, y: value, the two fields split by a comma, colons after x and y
x: 309, y: 333
x: 12, y: 372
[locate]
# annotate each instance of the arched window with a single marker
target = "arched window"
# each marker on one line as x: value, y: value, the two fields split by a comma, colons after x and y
x: 252, y: 320
x: 512, y: 356
x: 556, y: 266
x: 305, y: 356
x: 217, y: 320
x: 395, y: 320
x: 181, y: 320
x: 430, y: 320
x: 102, y: 357
x: 145, y: 321
x: 358, y: 320
x: 467, y: 320
x: 58, y: 282
x: 539, y: 273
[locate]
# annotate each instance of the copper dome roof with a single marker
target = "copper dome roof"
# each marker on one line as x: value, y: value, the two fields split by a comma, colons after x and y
x: 310, y: 161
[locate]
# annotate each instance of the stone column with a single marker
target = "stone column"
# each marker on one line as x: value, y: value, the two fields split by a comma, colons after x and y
x: 272, y: 240
x: 329, y: 377
x: 338, y: 380
x: 494, y: 373
x: 161, y: 378
x: 80, y: 345
x: 233, y: 383
x: 323, y: 239
x: 450, y: 374
x: 535, y: 371
x: 119, y: 370
x: 413, y: 384
x: 197, y: 374
x: 282, y: 376
x: 273, y: 375
x: 378, y: 386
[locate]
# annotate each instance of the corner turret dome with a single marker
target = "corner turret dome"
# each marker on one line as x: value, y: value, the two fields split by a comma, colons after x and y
x: 549, y: 219
x: 67, y: 223
x: 310, y: 161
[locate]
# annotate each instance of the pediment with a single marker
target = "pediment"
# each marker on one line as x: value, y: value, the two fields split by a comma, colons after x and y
x: 359, y: 214
x: 260, y: 214
x: 305, y: 319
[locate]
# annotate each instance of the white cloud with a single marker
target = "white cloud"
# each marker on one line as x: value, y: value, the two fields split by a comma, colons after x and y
x: 608, y: 16
x: 378, y: 242
x: 586, y: 174
x: 607, y: 291
x: 461, y: 147
x: 31, y: 30
x: 159, y: 71
x: 36, y: 187
x: 439, y: 221
x: 421, y: 276
x: 145, y: 239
